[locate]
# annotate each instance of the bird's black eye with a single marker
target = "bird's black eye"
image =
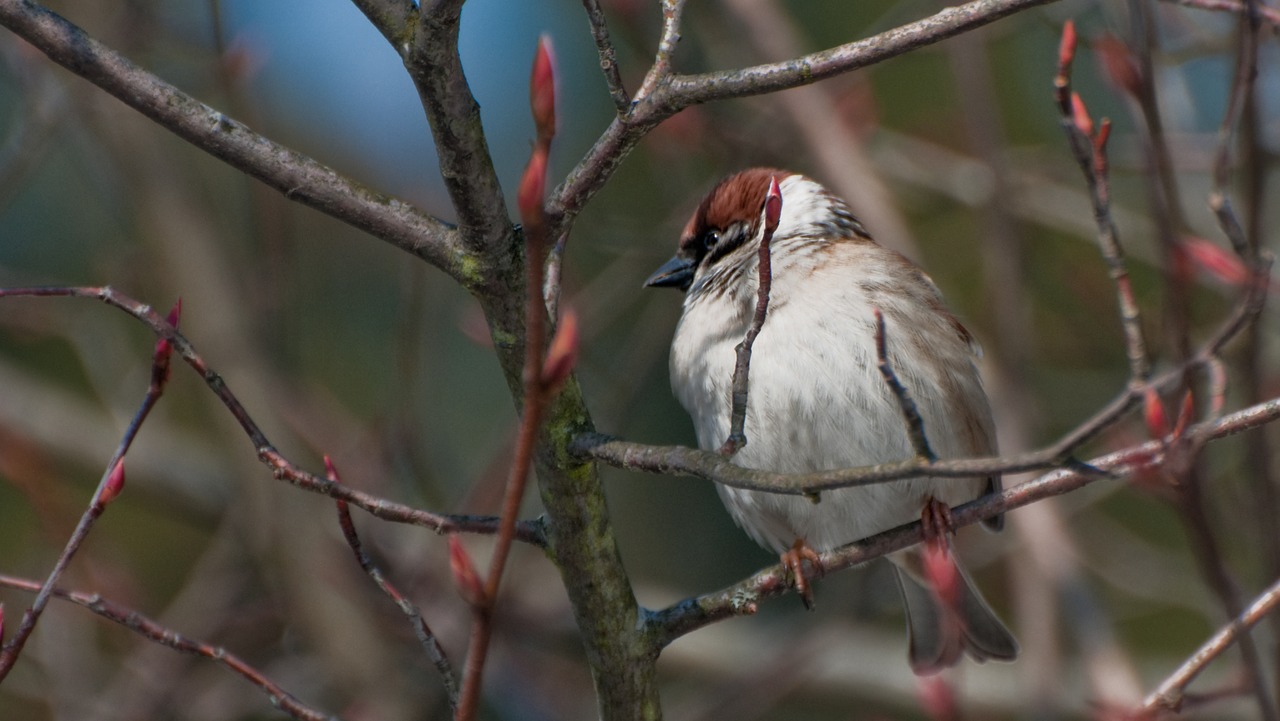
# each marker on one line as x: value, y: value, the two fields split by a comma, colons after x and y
x: 710, y: 238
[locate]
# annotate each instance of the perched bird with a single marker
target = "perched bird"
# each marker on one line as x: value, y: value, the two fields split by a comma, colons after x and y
x: 817, y: 400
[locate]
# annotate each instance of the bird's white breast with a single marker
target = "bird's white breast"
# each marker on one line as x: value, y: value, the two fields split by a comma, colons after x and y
x: 816, y: 398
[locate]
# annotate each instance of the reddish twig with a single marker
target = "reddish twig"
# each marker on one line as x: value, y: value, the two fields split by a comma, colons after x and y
x: 156, y: 633
x: 541, y: 379
x: 770, y: 213
x: 529, y: 532
x: 420, y: 628
x: 109, y: 487
x: 910, y: 413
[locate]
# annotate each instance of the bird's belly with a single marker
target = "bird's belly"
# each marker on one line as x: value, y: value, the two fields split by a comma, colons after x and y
x: 810, y: 411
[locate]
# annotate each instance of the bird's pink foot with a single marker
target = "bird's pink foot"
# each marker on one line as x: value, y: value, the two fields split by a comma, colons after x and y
x: 793, y: 560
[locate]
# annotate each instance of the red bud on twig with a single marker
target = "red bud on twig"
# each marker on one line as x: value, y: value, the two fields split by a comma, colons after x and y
x: 532, y: 188
x: 330, y: 470
x: 1080, y: 115
x: 542, y: 89
x: 115, y: 484
x: 563, y: 353
x: 163, y: 351
x: 464, y: 573
x: 1153, y: 413
x: 1067, y: 49
x: 1104, y: 133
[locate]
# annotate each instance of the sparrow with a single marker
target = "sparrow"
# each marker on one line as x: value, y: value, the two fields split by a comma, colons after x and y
x: 817, y: 400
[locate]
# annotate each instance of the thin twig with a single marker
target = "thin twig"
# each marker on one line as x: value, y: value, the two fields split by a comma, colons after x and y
x: 109, y: 487
x: 666, y: 625
x: 910, y: 413
x: 1242, y: 91
x: 537, y: 387
x: 420, y: 628
x: 1089, y: 148
x: 1170, y: 693
x: 608, y: 56
x: 529, y: 531
x: 714, y: 467
x: 770, y: 213
x: 1161, y: 181
x: 163, y: 636
x: 660, y: 71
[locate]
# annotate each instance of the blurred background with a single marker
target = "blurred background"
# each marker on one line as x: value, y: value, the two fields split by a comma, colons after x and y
x: 339, y: 344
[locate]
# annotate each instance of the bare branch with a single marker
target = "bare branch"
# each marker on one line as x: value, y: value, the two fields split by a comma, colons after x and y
x: 298, y: 177
x: 608, y: 56
x: 465, y: 163
x: 674, y: 460
x: 660, y: 71
x: 1242, y: 91
x: 1169, y: 695
x: 156, y: 633
x: 742, y: 598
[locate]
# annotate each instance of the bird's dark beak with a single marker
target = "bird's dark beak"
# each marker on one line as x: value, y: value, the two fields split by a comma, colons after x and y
x: 675, y: 273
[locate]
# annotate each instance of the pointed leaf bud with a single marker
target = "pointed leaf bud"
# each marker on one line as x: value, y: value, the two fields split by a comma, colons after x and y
x: 563, y: 353
x: 542, y: 90
x: 163, y: 351
x: 1153, y: 413
x: 330, y: 470
x: 1067, y: 48
x: 1080, y: 115
x: 464, y: 572
x: 532, y: 188
x: 115, y: 484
